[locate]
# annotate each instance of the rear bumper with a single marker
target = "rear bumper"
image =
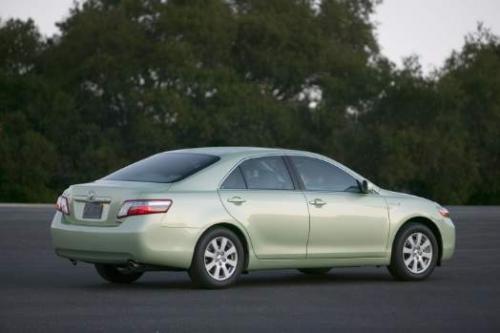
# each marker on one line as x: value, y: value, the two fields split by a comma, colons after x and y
x: 142, y: 239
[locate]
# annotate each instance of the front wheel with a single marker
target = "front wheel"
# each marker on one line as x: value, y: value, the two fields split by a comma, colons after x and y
x: 414, y: 254
x: 117, y: 274
x: 218, y: 259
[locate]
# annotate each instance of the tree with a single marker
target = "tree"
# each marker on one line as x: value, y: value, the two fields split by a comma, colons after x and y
x: 28, y: 159
x: 128, y: 78
x: 475, y: 74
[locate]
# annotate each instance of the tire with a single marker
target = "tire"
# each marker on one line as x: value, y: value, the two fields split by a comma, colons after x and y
x: 412, y: 259
x: 218, y: 259
x: 117, y: 274
x: 314, y: 271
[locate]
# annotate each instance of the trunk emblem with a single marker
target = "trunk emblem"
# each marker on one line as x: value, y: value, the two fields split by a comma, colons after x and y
x: 91, y: 196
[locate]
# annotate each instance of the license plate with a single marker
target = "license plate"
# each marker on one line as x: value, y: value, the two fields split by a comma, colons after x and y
x: 92, y: 210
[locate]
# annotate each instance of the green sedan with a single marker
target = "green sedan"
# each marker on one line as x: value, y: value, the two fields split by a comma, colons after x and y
x: 218, y: 212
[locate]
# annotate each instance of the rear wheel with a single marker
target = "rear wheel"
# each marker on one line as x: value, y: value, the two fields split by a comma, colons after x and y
x: 414, y: 254
x: 117, y: 274
x: 315, y: 271
x: 218, y: 259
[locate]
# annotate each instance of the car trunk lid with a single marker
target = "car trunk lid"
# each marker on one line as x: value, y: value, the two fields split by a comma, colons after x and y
x: 98, y: 203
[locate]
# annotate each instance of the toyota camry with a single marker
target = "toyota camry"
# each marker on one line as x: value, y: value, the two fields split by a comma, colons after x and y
x: 219, y: 212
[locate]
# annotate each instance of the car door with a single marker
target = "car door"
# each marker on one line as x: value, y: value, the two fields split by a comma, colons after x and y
x: 344, y: 223
x: 260, y: 194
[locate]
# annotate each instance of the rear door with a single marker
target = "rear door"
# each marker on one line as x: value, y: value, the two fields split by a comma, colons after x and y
x: 261, y: 195
x: 345, y: 223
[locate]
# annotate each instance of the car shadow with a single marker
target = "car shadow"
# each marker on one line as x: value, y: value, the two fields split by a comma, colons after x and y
x: 258, y: 280
x: 299, y: 279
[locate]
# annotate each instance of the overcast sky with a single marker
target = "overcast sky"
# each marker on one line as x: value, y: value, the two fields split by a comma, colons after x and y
x: 430, y: 29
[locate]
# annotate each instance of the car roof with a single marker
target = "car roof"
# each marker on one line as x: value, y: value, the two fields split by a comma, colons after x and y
x: 225, y: 151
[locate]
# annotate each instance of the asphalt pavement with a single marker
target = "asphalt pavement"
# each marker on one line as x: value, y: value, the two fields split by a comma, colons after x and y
x: 42, y: 292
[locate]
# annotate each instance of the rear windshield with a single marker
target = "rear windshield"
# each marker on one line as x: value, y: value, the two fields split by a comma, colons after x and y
x: 164, y: 167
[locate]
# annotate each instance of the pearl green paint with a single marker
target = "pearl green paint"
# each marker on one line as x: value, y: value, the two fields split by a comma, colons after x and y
x: 281, y: 229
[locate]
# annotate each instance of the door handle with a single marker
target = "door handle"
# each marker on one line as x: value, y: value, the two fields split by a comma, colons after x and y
x: 236, y: 200
x: 317, y: 202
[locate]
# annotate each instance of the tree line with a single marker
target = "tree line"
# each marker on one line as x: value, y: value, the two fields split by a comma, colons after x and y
x: 126, y: 79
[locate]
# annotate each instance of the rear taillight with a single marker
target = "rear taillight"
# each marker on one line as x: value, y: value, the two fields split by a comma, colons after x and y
x: 144, y: 207
x: 62, y: 205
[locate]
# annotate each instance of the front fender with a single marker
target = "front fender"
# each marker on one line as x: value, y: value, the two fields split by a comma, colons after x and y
x: 404, y: 211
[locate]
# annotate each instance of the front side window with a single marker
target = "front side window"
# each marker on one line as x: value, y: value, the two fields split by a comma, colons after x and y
x: 319, y: 175
x: 264, y: 173
x: 165, y: 167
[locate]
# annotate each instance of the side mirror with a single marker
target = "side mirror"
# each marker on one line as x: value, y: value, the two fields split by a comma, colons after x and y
x: 366, y: 187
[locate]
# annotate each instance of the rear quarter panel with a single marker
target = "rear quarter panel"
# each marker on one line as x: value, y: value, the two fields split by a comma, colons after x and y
x: 195, y: 210
x: 199, y: 211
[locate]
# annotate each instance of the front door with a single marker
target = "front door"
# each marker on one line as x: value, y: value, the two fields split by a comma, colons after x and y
x: 260, y: 194
x: 345, y: 223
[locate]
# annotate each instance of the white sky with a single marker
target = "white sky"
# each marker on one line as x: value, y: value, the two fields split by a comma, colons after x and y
x: 44, y: 12
x: 430, y: 29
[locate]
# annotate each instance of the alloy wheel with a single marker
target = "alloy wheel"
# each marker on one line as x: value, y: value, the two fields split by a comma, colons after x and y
x: 417, y: 253
x: 221, y: 258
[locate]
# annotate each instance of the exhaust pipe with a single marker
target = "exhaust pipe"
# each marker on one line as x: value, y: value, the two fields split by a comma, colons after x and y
x: 133, y: 266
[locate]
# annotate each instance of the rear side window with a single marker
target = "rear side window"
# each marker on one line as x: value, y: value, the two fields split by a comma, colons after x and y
x: 234, y: 181
x: 164, y: 167
x: 266, y: 173
x: 318, y: 175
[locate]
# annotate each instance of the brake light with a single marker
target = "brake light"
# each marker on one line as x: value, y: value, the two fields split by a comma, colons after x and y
x: 144, y: 207
x: 62, y: 205
x: 444, y: 212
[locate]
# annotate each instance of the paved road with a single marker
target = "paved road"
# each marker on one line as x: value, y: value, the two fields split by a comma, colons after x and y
x: 40, y: 292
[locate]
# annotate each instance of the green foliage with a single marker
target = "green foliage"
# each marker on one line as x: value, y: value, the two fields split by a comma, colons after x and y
x: 128, y: 78
x: 28, y: 161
